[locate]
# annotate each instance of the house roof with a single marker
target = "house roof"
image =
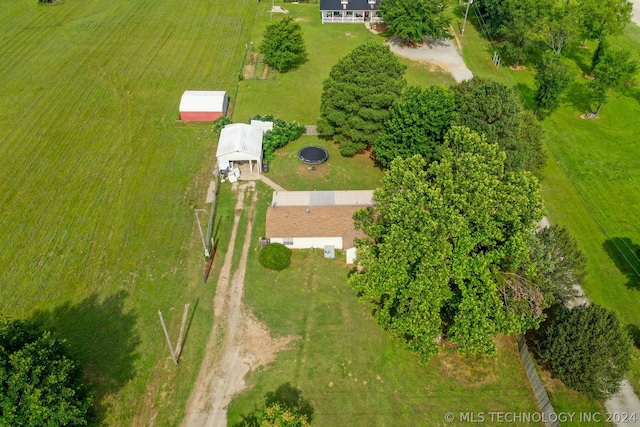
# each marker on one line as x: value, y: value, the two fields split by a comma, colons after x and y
x: 203, y: 100
x: 320, y: 221
x: 323, y: 198
x: 351, y: 5
x: 240, y: 138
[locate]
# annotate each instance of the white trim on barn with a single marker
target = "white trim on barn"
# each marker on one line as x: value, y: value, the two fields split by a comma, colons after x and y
x: 240, y: 142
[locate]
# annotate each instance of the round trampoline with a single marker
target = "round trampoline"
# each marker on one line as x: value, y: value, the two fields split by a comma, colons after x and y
x: 313, y: 155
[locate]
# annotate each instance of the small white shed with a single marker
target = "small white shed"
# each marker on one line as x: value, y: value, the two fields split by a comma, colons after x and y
x: 240, y: 142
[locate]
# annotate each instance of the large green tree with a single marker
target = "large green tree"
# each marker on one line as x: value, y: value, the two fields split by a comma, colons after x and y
x: 438, y: 238
x: 414, y: 20
x: 357, y: 96
x: 417, y: 124
x: 40, y: 384
x: 560, y: 265
x: 552, y: 77
x: 521, y: 26
x: 493, y: 109
x: 614, y: 68
x: 600, y: 18
x: 561, y: 27
x: 490, y: 108
x: 283, y: 45
x: 588, y: 349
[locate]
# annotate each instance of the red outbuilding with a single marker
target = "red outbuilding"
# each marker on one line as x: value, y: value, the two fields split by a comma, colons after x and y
x: 203, y: 106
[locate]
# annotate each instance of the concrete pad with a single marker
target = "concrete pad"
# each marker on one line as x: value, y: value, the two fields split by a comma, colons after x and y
x: 635, y: 18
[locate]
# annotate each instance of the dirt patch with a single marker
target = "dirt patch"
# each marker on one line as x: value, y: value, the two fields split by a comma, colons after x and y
x: 249, y: 70
x: 442, y: 53
x: 302, y: 20
x: 517, y: 68
x: 472, y: 371
x: 238, y: 343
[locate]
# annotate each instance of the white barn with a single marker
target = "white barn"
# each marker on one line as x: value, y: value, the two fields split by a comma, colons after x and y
x: 240, y: 142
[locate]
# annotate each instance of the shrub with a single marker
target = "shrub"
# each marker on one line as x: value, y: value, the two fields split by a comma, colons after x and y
x: 283, y: 133
x: 220, y: 123
x: 587, y: 349
x: 275, y: 256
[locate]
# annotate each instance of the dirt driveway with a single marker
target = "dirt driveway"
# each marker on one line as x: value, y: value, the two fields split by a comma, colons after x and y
x: 440, y: 53
x: 238, y: 343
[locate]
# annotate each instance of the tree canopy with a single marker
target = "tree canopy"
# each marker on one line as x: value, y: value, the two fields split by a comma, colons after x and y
x: 490, y: 108
x: 493, y: 109
x: 521, y: 26
x: 283, y: 44
x: 587, y: 349
x: 40, y: 383
x: 438, y: 237
x: 600, y: 18
x: 614, y: 68
x: 357, y: 96
x: 414, y: 20
x: 417, y: 124
x: 552, y: 77
x: 560, y: 265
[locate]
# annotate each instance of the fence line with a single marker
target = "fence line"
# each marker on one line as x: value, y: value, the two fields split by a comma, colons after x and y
x: 544, y: 404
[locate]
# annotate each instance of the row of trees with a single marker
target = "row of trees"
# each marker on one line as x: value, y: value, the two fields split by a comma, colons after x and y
x: 540, y: 32
x: 525, y: 27
x: 365, y: 102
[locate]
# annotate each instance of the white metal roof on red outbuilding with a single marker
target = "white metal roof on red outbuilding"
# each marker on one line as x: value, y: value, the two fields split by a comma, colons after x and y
x: 203, y: 100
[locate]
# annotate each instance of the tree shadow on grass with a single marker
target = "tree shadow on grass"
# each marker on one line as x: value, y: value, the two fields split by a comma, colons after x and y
x: 581, y: 57
x: 579, y: 95
x: 101, y: 336
x: 528, y: 94
x: 287, y: 396
x: 626, y: 255
x: 631, y: 92
x: 634, y: 333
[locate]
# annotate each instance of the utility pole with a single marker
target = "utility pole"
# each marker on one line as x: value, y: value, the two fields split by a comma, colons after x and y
x: 204, y: 244
x: 465, y: 16
x: 166, y: 334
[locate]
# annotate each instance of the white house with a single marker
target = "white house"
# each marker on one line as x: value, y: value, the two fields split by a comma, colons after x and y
x: 350, y: 11
x: 240, y: 142
x: 315, y: 219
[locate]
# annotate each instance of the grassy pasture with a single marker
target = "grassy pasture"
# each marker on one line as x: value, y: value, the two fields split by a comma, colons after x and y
x: 99, y: 183
x: 591, y: 182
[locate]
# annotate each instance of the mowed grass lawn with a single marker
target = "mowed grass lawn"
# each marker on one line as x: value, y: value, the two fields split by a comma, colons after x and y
x: 347, y: 367
x: 295, y: 95
x: 99, y: 184
x: 590, y: 184
x: 337, y: 173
